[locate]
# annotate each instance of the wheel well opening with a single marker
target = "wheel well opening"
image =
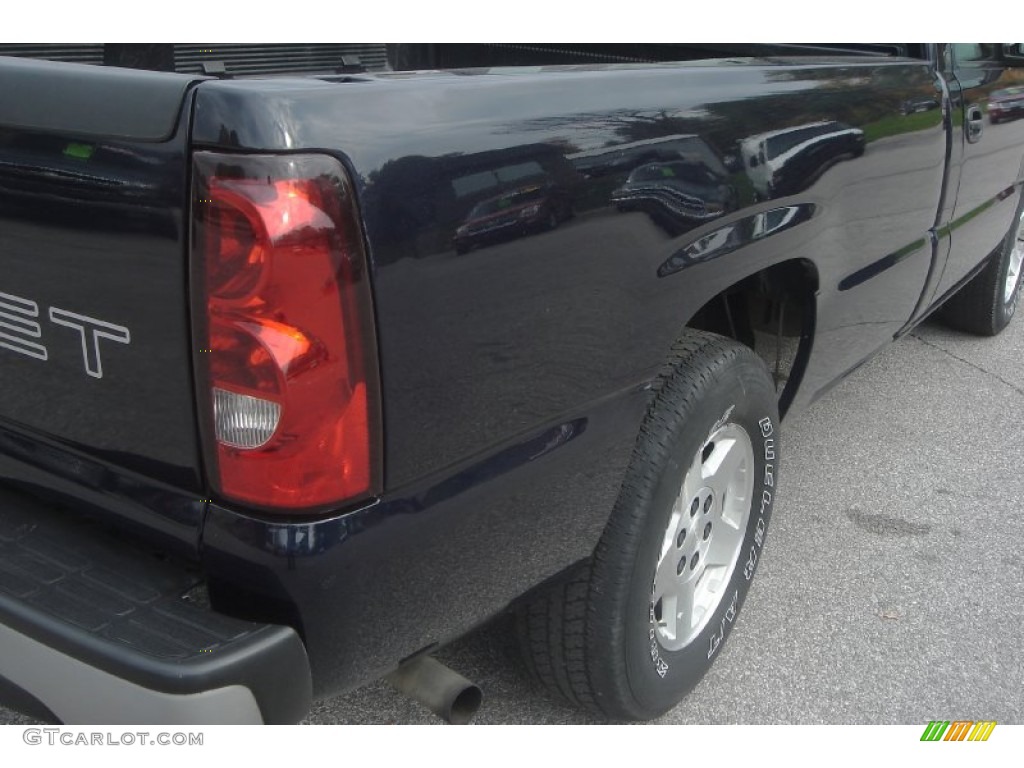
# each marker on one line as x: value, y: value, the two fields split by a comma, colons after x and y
x: 773, y: 313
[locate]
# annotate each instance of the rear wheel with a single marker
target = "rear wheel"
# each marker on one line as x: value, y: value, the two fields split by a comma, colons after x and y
x: 988, y: 302
x: 630, y: 633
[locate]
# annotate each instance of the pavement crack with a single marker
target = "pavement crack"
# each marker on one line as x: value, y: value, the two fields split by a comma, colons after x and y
x: 965, y: 361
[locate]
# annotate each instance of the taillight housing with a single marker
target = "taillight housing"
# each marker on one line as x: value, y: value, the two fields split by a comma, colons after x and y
x: 286, y: 355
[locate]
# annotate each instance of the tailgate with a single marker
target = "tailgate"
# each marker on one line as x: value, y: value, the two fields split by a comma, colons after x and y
x: 95, y: 352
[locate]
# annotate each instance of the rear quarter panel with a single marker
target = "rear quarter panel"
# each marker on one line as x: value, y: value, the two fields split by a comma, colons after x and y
x: 514, y: 376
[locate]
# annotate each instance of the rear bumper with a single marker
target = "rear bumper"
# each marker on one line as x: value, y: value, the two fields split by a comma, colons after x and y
x: 96, y: 630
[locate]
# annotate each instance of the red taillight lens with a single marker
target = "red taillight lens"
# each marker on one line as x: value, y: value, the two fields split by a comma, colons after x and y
x: 287, y: 362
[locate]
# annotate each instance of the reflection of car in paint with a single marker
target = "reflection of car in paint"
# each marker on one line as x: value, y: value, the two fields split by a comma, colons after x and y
x: 512, y: 214
x: 787, y: 161
x: 1006, y: 104
x: 685, y: 191
x: 920, y: 104
x: 736, y: 234
x: 623, y: 158
x: 772, y: 221
x: 712, y: 243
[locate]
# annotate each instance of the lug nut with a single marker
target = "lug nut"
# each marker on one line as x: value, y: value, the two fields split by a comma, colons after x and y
x: 694, y: 507
x: 707, y: 531
x: 707, y: 505
x: 682, y: 566
x: 693, y: 560
x: 680, y: 538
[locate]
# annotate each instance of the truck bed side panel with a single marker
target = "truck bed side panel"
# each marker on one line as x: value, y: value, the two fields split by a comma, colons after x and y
x: 538, y: 240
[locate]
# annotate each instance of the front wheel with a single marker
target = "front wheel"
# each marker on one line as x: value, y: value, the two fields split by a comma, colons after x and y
x: 988, y: 302
x: 630, y: 633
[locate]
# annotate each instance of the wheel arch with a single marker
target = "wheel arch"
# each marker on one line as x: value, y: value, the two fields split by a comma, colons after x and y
x: 773, y: 311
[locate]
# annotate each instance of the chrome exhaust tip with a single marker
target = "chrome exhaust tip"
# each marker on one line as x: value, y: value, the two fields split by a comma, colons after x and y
x: 440, y: 689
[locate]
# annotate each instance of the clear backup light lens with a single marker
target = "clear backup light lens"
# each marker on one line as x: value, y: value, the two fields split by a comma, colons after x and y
x: 242, y: 421
x: 287, y: 360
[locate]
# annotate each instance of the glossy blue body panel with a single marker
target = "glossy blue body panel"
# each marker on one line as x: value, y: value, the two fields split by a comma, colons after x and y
x: 478, y: 348
x: 516, y: 348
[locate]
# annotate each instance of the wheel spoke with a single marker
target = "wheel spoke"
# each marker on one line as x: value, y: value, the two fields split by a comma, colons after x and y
x: 676, y: 594
x: 692, y: 482
x: 712, y: 582
x: 665, y: 577
x: 677, y: 610
x: 726, y: 538
x: 669, y: 541
x: 684, y: 607
x: 709, y: 588
x: 669, y: 622
x: 724, y: 465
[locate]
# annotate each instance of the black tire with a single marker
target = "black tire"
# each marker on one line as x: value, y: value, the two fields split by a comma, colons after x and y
x: 594, y: 638
x: 981, y: 306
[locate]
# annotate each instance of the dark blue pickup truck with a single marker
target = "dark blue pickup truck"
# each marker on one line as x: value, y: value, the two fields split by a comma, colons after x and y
x: 306, y: 371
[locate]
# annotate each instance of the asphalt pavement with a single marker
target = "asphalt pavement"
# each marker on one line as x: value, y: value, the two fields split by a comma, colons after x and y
x: 891, y: 589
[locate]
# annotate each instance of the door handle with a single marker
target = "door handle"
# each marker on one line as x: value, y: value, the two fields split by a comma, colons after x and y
x: 975, y: 123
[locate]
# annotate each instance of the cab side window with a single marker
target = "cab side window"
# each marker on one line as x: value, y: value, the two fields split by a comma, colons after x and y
x: 966, y: 54
x: 977, y: 64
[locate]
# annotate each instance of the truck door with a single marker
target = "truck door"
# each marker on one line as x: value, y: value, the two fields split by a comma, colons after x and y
x: 987, y: 156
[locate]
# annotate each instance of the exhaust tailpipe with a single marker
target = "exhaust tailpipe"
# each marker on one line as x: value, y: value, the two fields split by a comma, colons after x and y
x: 443, y: 691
